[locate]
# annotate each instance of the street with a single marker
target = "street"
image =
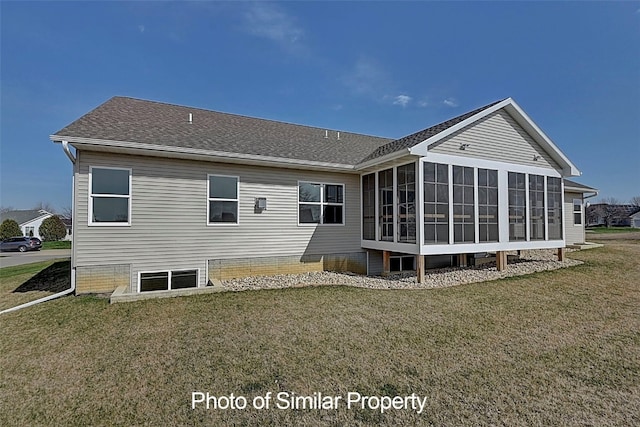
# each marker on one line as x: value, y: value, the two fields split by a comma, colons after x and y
x: 9, y: 259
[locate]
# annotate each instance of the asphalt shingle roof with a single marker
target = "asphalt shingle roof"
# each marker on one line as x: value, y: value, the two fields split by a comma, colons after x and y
x: 416, y: 138
x: 135, y: 120
x: 22, y: 216
x: 149, y: 122
x: 570, y: 183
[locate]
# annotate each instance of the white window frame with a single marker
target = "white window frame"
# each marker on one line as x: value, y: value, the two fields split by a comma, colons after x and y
x: 574, y: 212
x: 321, y: 203
x: 140, y: 273
x: 216, y: 199
x: 129, y: 197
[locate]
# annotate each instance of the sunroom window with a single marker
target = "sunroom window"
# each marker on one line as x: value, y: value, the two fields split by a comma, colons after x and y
x: 463, y: 205
x: 369, y: 207
x: 406, y: 203
x: 385, y: 183
x: 536, y: 210
x: 517, y: 206
x: 110, y: 196
x: 488, y: 205
x: 554, y: 207
x: 436, y: 203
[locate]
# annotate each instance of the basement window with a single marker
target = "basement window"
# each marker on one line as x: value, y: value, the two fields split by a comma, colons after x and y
x: 402, y: 263
x: 168, y: 280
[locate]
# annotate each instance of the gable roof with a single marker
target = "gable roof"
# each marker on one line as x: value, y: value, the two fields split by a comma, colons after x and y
x: 153, y: 125
x: 24, y: 216
x: 129, y: 124
x: 416, y: 138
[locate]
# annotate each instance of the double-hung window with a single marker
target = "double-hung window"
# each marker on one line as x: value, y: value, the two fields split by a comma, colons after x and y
x: 320, y: 203
x: 110, y: 196
x: 577, y: 212
x: 223, y: 199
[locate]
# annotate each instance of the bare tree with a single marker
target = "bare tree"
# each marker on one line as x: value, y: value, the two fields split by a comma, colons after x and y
x: 45, y: 206
x: 7, y: 208
x: 66, y: 212
x: 635, y: 201
x: 609, y: 209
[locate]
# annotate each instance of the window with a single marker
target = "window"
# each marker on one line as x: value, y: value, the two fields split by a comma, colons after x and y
x: 517, y: 206
x: 554, y: 208
x: 536, y: 207
x: 29, y: 231
x: 385, y: 202
x: 168, y: 280
x: 463, y: 205
x: 223, y: 199
x: 369, y: 207
x: 110, y: 196
x: 487, y: 205
x: 402, y: 262
x: 436, y: 203
x: 320, y: 203
x: 406, y: 203
x: 577, y: 212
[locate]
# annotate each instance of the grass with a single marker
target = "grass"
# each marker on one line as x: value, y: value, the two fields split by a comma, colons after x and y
x: 610, y: 230
x: 61, y: 244
x: 554, y: 348
x: 23, y: 283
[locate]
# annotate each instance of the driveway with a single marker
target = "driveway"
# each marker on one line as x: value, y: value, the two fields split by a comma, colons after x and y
x: 9, y: 259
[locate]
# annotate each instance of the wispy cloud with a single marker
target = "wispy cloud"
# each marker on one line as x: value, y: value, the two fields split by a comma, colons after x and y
x: 367, y: 77
x: 141, y: 28
x: 450, y: 102
x: 402, y: 100
x: 423, y: 103
x: 270, y: 21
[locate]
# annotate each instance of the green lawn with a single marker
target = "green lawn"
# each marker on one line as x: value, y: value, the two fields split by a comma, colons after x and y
x: 554, y: 348
x: 62, y: 244
x: 609, y: 230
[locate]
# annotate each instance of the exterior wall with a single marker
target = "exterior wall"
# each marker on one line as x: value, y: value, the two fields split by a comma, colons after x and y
x: 223, y: 269
x: 635, y: 220
x: 573, y: 233
x: 496, y: 137
x: 102, y: 278
x: 376, y: 266
x: 36, y: 223
x: 169, y: 228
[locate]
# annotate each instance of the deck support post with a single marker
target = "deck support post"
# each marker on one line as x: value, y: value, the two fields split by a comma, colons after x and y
x: 561, y: 254
x: 420, y: 268
x: 501, y: 260
x: 386, y: 263
x: 462, y: 260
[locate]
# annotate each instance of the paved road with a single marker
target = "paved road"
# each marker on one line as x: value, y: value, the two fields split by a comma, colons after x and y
x: 8, y: 259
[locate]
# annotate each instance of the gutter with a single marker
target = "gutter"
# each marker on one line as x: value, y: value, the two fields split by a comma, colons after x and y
x: 65, y: 147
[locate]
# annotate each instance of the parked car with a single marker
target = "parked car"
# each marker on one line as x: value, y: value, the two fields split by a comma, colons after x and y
x: 21, y: 244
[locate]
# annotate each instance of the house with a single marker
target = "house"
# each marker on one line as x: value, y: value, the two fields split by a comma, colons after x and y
x: 575, y: 195
x: 168, y: 197
x: 635, y: 219
x: 68, y: 224
x: 610, y: 215
x: 29, y: 220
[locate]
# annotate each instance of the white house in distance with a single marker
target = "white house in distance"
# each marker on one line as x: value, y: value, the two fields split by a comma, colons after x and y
x: 29, y: 220
x: 170, y: 197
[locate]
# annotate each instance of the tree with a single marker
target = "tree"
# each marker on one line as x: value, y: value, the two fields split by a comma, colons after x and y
x: 52, y: 229
x: 45, y: 206
x: 635, y: 201
x: 9, y: 228
x: 609, y: 209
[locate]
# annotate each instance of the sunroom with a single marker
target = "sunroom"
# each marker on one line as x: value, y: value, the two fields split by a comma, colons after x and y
x: 443, y: 207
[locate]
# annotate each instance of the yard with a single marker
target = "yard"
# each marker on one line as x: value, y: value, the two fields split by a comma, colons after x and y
x: 554, y: 348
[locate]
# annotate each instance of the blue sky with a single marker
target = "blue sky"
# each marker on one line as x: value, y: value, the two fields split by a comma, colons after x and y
x: 380, y: 68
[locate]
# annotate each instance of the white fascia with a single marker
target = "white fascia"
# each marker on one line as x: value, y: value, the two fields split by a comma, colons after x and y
x: 199, y: 154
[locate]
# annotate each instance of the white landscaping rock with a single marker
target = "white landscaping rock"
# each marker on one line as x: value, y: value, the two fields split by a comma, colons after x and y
x: 531, y: 261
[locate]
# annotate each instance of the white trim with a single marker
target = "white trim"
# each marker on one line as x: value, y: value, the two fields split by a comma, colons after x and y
x: 322, y: 203
x: 377, y: 205
x: 140, y: 273
x: 546, y: 209
x: 129, y: 197
x: 490, y: 247
x: 489, y: 164
x: 198, y: 154
x: 476, y: 207
x: 216, y: 199
x: 527, y: 209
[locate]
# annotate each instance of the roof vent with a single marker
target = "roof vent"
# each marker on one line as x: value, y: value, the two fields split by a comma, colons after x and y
x: 326, y: 134
x: 190, y: 118
x: 338, y: 136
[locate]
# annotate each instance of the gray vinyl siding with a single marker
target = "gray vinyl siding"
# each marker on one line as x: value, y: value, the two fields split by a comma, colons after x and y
x: 573, y: 233
x: 496, y: 137
x: 169, y: 228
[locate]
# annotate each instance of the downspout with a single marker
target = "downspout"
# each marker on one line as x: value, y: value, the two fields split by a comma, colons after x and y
x: 65, y: 147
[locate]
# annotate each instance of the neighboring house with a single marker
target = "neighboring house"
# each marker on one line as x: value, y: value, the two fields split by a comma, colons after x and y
x: 575, y: 195
x: 29, y: 220
x: 635, y: 219
x: 172, y: 197
x: 608, y: 215
x: 68, y: 224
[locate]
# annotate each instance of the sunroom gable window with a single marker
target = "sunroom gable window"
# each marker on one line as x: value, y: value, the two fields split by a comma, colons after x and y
x: 223, y: 199
x: 110, y: 196
x: 320, y: 203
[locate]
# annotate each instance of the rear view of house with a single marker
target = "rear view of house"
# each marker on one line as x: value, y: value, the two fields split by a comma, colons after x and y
x: 170, y: 197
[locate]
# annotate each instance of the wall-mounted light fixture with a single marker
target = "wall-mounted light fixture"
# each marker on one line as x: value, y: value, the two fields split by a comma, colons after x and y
x: 537, y: 157
x: 260, y: 203
x: 464, y: 146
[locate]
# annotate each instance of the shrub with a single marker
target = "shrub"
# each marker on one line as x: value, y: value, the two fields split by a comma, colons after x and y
x: 9, y: 228
x: 52, y: 229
